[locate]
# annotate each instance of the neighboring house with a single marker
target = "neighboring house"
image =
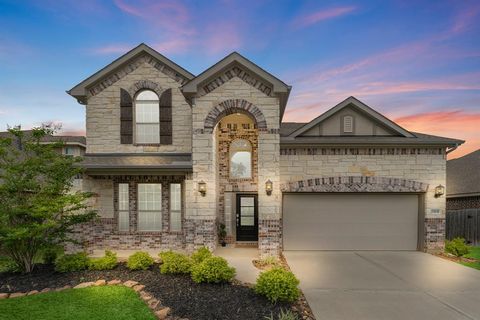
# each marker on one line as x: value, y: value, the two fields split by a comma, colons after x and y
x: 171, y: 155
x: 72, y: 145
x: 463, y: 182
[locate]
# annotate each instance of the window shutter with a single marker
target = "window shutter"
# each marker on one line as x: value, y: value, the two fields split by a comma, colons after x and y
x: 166, y: 117
x: 126, y: 117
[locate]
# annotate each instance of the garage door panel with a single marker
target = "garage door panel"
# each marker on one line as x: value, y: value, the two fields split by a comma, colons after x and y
x: 350, y: 222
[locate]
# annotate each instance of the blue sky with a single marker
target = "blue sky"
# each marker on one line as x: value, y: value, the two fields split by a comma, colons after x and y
x: 417, y: 62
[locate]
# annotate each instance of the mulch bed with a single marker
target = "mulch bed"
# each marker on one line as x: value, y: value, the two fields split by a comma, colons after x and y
x: 453, y: 258
x: 186, y: 298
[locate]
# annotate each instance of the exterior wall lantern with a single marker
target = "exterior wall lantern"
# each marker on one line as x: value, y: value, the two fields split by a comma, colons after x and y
x: 269, y: 187
x: 202, y: 188
x: 439, y: 191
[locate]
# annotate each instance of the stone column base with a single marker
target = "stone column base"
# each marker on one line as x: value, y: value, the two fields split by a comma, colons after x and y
x: 434, y: 234
x: 270, y: 237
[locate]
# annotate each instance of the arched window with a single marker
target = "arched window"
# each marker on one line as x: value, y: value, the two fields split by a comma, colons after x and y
x: 240, y: 159
x: 147, y: 117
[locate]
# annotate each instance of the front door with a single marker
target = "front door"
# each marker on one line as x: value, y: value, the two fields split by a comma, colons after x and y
x: 247, y: 217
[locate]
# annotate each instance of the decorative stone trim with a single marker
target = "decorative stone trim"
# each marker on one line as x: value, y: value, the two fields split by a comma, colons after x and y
x: 361, y: 151
x: 236, y: 71
x: 143, y: 85
x: 132, y: 66
x: 161, y: 312
x: 231, y: 106
x: 354, y: 184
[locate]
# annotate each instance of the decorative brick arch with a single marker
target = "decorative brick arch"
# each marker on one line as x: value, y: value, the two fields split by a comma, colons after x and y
x: 231, y: 106
x: 354, y: 184
x: 145, y: 84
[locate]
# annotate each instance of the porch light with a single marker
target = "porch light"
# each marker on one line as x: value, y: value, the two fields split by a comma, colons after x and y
x: 202, y: 187
x: 439, y: 191
x: 269, y: 187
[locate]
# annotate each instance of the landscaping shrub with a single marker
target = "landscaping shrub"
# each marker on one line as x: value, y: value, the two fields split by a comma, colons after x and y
x: 108, y: 262
x: 201, y: 254
x: 72, y: 262
x: 8, y: 265
x: 212, y: 270
x: 283, y: 315
x: 140, y: 261
x: 174, y: 263
x: 50, y: 254
x: 457, y: 247
x: 278, y: 284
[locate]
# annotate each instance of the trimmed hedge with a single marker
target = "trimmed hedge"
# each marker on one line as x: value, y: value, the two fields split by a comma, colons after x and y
x: 201, y: 254
x: 278, y: 284
x: 175, y: 263
x: 72, y: 262
x: 212, y: 270
x: 457, y: 247
x: 140, y: 261
x: 108, y: 262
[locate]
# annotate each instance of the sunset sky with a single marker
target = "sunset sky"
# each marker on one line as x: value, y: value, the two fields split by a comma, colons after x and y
x: 417, y: 62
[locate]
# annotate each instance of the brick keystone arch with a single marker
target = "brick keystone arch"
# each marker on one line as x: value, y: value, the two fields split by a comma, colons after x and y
x: 354, y: 184
x: 231, y: 106
x: 145, y: 84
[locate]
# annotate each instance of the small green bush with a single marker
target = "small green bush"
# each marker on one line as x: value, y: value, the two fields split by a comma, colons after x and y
x: 7, y: 265
x: 108, y: 262
x: 175, y: 263
x: 140, y: 261
x: 49, y: 255
x: 278, y: 284
x: 72, y: 262
x: 200, y: 255
x: 457, y: 247
x: 283, y: 315
x: 212, y: 270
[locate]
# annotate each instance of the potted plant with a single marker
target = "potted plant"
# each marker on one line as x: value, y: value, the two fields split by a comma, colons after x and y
x: 222, y: 233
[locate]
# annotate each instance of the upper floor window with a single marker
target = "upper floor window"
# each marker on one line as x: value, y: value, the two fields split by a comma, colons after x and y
x: 348, y: 124
x: 69, y: 151
x: 147, y: 117
x: 240, y: 159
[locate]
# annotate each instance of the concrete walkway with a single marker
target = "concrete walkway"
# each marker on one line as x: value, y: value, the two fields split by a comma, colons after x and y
x: 386, y: 285
x: 241, y: 260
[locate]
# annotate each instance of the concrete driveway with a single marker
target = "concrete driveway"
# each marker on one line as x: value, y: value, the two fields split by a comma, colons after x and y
x: 385, y: 285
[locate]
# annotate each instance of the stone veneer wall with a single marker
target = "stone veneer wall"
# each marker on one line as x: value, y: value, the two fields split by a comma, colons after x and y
x: 104, y: 234
x: 463, y: 203
x: 204, y: 151
x: 425, y: 166
x: 103, y: 111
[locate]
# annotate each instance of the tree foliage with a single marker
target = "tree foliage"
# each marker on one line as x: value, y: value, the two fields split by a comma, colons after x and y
x: 38, y: 206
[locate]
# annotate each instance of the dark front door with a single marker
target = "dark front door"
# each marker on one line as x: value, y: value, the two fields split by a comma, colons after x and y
x: 247, y: 217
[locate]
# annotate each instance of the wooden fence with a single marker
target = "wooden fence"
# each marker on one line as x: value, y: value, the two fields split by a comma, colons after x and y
x: 464, y: 223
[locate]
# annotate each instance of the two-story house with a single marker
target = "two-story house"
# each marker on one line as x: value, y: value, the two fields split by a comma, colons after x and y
x: 171, y: 155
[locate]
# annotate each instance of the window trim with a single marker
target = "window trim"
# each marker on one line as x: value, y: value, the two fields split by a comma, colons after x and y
x: 159, y: 211
x: 134, y: 116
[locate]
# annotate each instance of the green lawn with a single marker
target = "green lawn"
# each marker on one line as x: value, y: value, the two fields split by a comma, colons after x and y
x: 474, y: 254
x: 107, y: 302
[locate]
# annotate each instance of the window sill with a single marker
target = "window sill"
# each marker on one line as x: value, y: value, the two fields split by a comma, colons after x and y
x: 148, y: 144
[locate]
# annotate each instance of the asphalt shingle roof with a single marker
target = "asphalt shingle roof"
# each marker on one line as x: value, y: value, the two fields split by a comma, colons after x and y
x: 463, y: 175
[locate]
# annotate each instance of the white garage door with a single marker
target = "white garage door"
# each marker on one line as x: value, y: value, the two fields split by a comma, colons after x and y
x: 320, y: 221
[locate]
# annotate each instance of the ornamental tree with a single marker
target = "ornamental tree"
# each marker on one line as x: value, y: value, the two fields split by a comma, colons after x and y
x: 38, y: 206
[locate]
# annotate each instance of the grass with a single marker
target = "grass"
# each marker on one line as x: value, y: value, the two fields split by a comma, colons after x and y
x: 474, y: 253
x: 107, y: 302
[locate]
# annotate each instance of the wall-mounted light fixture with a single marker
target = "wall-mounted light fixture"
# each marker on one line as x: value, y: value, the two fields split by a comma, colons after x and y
x: 202, y: 187
x: 269, y: 187
x: 439, y: 191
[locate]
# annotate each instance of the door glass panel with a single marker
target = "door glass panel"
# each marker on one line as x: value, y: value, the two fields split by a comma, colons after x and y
x: 247, y: 221
x: 244, y: 202
x: 248, y: 211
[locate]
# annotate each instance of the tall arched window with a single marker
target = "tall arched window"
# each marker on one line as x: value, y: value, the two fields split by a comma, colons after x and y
x: 147, y: 117
x: 240, y: 159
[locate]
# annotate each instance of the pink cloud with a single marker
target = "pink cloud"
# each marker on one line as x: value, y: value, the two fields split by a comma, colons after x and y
x: 464, y: 20
x: 313, y: 18
x: 454, y: 123
x: 172, y: 46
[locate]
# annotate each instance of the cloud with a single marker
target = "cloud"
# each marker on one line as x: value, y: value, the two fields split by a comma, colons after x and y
x: 112, y: 49
x: 453, y: 123
x: 321, y: 15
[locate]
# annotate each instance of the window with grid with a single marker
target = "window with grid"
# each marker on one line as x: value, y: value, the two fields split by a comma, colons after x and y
x: 175, y: 207
x: 123, y: 207
x: 149, y: 207
x: 147, y: 117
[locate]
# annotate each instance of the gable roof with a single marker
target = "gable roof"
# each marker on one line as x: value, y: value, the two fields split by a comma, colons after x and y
x: 463, y: 175
x: 360, y: 106
x: 80, y: 90
x: 67, y: 140
x: 278, y: 87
